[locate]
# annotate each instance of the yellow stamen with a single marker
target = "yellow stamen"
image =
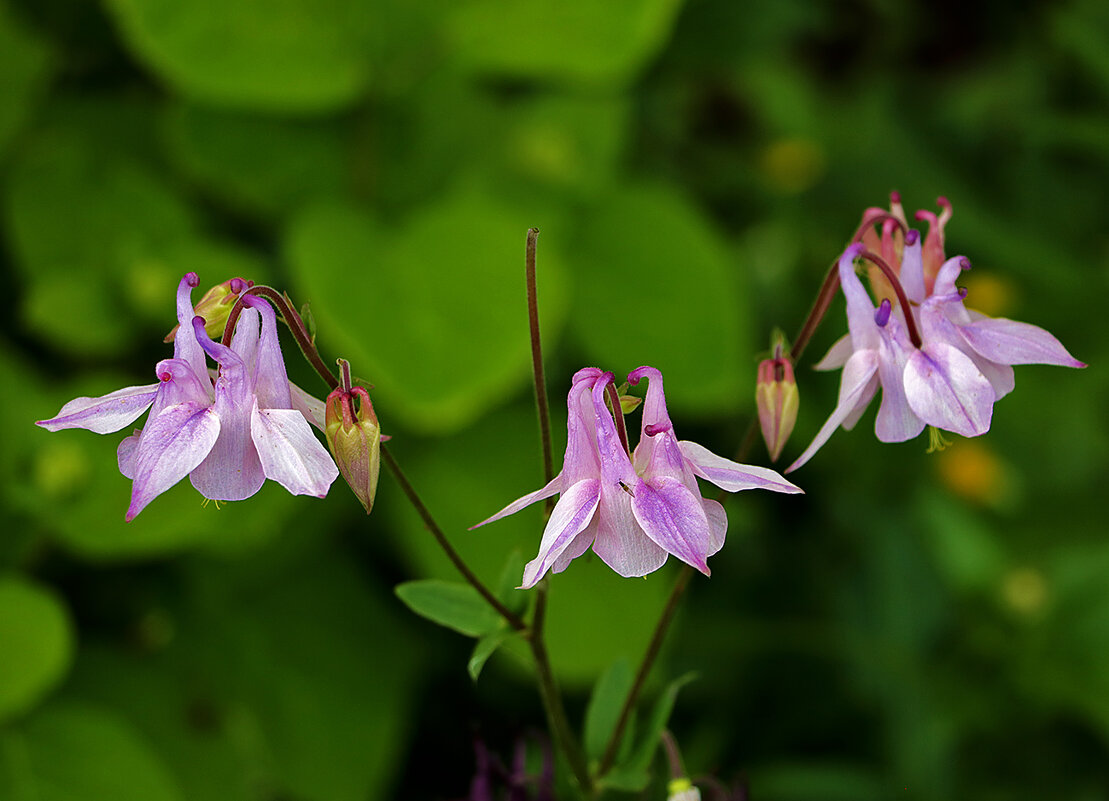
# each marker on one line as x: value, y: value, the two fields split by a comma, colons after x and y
x: 936, y: 440
x: 213, y: 500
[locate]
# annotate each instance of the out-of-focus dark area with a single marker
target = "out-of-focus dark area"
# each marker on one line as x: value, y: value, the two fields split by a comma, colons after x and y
x: 919, y: 627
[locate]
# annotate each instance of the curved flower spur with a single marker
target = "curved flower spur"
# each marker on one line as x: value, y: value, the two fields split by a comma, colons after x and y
x: 252, y: 424
x: 634, y: 511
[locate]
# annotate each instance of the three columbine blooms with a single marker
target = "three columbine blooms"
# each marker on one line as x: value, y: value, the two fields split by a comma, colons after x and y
x: 938, y: 363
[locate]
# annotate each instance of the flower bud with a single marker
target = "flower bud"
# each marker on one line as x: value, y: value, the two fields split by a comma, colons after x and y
x: 216, y: 305
x: 777, y: 400
x: 354, y: 437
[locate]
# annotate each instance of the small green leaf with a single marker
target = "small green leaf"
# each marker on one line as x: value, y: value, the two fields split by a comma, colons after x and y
x: 484, y: 649
x: 604, y: 706
x: 456, y: 606
x: 637, y: 766
x: 36, y: 640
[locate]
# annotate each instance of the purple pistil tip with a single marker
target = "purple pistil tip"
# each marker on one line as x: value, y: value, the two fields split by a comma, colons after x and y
x: 964, y: 263
x: 962, y: 292
x: 192, y: 279
x: 237, y: 285
x: 882, y: 315
x: 652, y: 429
x: 895, y: 197
x: 912, y: 237
x: 943, y: 202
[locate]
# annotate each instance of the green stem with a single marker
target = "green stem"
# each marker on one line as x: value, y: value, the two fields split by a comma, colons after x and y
x: 645, y: 666
x: 537, y: 364
x: 819, y: 308
x: 510, y: 617
x: 552, y: 699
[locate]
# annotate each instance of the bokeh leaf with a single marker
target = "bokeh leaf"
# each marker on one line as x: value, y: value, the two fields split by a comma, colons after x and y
x: 657, y: 288
x: 24, y: 67
x: 433, y: 315
x: 36, y: 639
x: 261, y: 164
x: 97, y: 260
x: 575, y: 40
x: 299, y: 55
x: 73, y: 752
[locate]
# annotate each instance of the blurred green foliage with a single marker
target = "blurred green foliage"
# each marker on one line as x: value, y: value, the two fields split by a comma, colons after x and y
x: 915, y: 627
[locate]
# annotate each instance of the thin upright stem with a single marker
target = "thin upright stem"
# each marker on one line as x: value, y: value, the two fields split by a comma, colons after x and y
x: 510, y: 617
x: 552, y: 699
x: 645, y: 666
x: 537, y: 363
x: 819, y: 308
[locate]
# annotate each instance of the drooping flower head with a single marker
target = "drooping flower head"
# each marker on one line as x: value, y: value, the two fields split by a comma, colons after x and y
x: 251, y: 424
x: 634, y: 511
x: 937, y: 362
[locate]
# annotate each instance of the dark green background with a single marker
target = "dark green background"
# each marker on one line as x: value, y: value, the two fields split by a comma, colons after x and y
x: 915, y: 627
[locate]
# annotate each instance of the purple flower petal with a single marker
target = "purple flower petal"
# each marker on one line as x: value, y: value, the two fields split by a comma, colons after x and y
x: 912, y: 272
x: 125, y: 453
x: 1011, y: 342
x: 578, y: 545
x: 615, y: 464
x: 856, y: 387
x: 860, y: 309
x: 718, y: 525
x: 657, y: 453
x: 675, y: 519
x: 896, y: 421
x: 232, y: 470
x: 837, y: 355
x: 732, y: 476
x: 173, y: 444
x: 571, y: 515
x: 271, y: 383
x: 947, y: 275
x: 313, y: 409
x: 620, y: 541
x: 527, y: 500
x: 290, y: 453
x: 185, y: 344
x: 947, y: 391
x: 105, y: 414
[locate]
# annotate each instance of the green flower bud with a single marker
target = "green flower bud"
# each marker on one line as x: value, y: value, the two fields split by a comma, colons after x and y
x: 777, y: 400
x: 354, y: 437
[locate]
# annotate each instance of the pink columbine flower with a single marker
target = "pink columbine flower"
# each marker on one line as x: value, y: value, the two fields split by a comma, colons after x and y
x: 937, y: 362
x: 637, y: 510
x: 252, y: 424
